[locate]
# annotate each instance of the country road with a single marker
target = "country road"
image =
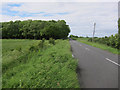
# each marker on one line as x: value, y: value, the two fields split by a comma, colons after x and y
x: 97, y: 68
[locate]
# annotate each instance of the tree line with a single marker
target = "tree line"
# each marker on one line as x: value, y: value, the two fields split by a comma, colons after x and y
x: 119, y: 33
x: 112, y: 40
x: 34, y: 29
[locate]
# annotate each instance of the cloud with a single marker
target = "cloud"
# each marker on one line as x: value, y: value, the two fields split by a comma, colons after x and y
x: 60, y: 1
x: 80, y: 16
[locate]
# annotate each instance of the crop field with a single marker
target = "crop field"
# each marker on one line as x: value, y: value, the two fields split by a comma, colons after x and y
x: 38, y: 64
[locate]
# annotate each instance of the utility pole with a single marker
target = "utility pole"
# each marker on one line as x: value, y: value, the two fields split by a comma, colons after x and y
x: 93, y: 32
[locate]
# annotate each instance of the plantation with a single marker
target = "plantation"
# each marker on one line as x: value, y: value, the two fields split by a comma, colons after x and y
x: 38, y: 64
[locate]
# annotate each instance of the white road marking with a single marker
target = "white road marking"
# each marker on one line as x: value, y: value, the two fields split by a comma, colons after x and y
x: 112, y: 62
x: 87, y: 49
x: 72, y: 55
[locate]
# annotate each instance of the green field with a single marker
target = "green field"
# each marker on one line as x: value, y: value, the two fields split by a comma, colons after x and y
x: 98, y: 45
x: 26, y: 65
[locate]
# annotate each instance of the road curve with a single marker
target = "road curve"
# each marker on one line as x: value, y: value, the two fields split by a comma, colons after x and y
x: 96, y: 68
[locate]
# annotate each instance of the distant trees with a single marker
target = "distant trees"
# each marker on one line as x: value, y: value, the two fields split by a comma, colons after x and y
x: 34, y: 29
x: 112, y: 41
x: 73, y: 36
x: 119, y: 32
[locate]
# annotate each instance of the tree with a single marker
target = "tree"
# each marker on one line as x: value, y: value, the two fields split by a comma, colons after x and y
x: 36, y: 29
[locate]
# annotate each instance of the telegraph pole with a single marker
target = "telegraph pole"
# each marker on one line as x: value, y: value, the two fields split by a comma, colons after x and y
x: 93, y: 31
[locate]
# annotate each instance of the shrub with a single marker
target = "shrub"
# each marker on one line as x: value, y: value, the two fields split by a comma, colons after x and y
x: 80, y: 37
x: 19, y: 49
x: 41, y: 44
x: 73, y: 36
x: 52, y: 41
x: 87, y: 37
x: 112, y: 40
x: 33, y: 48
x: 90, y: 39
x: 43, y: 40
x: 11, y: 49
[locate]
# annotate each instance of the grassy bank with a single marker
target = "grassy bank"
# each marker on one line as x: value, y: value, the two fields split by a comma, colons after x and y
x: 98, y: 45
x: 51, y: 66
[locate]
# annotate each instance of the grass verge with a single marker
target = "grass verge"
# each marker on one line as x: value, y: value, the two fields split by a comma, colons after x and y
x: 49, y: 67
x: 98, y: 45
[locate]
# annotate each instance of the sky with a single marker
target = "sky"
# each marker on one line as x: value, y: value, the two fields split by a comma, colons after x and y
x: 80, y: 16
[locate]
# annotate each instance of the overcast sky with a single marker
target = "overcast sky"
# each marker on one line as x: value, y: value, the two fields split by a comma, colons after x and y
x: 80, y: 16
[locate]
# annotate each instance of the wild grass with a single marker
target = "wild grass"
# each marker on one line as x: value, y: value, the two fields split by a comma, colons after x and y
x: 49, y: 67
x: 99, y: 45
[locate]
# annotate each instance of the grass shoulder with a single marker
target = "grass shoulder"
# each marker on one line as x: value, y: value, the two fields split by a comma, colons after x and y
x: 52, y: 66
x: 99, y: 45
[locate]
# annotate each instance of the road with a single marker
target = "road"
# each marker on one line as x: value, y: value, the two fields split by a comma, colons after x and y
x: 96, y: 68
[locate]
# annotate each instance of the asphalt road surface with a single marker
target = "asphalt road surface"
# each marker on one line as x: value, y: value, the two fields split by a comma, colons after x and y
x: 96, y: 68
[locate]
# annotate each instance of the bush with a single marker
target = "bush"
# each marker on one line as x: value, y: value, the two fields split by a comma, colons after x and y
x: 43, y: 40
x: 80, y: 37
x: 90, y: 39
x: 33, y: 48
x: 19, y: 49
x: 112, y: 40
x: 41, y: 44
x: 52, y: 41
x: 73, y: 36
x: 11, y: 49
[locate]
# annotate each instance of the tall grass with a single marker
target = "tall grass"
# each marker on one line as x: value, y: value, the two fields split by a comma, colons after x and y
x: 49, y: 67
